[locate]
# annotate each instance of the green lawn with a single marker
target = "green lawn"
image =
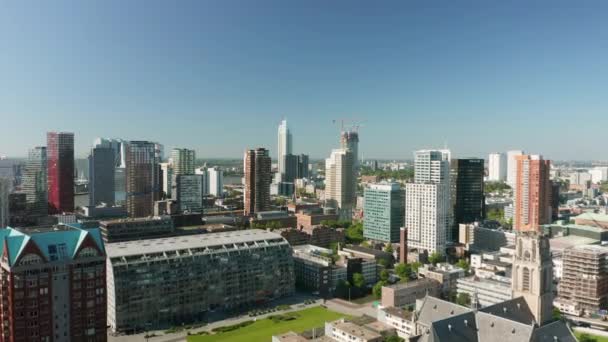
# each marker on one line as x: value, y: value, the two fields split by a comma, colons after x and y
x: 597, y: 338
x: 263, y: 329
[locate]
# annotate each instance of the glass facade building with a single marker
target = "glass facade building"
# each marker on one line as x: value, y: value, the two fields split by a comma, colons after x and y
x: 383, y: 212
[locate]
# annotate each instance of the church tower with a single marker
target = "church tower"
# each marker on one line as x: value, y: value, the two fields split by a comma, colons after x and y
x: 533, y: 274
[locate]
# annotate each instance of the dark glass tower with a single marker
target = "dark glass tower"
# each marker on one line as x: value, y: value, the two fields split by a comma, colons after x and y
x: 101, y: 176
x: 467, y: 198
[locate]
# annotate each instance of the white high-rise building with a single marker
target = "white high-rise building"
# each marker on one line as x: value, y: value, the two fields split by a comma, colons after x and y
x: 216, y: 181
x: 599, y: 174
x: 5, y: 188
x: 340, y: 182
x: 497, y: 167
x: 167, y: 174
x: 427, y: 203
x: 284, y: 145
x: 512, y: 167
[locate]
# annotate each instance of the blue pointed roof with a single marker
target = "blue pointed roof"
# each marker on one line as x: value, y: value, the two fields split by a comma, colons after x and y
x: 54, y: 245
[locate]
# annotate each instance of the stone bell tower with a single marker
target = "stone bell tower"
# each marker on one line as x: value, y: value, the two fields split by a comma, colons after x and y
x: 533, y: 274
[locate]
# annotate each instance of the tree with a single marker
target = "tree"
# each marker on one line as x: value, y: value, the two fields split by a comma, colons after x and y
x: 354, y: 233
x: 490, y: 187
x: 403, y: 270
x: 377, y: 289
x: 464, y: 264
x: 358, y: 280
x: 394, y: 338
x: 557, y: 315
x: 389, y: 248
x: 435, y: 258
x: 384, y: 275
x: 415, y: 266
x: 463, y: 299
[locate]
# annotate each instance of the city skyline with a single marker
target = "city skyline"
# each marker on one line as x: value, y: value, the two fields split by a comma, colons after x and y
x: 417, y: 76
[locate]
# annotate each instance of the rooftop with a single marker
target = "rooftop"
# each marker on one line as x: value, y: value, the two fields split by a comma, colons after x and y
x: 356, y: 330
x: 563, y: 242
x: 160, y: 245
x: 414, y: 283
x: 398, y: 312
x: 593, y: 217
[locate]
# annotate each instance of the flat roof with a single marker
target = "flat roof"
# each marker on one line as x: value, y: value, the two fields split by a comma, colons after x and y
x: 593, y: 217
x: 355, y: 330
x: 159, y: 245
x: 563, y: 242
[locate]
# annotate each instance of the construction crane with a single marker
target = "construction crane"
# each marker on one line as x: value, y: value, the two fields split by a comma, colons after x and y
x: 353, y: 124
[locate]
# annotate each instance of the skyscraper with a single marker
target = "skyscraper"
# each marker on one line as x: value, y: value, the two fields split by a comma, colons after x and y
x: 102, y: 162
x: 118, y: 146
x: 303, y: 162
x: 60, y: 171
x: 350, y: 140
x: 5, y: 188
x: 512, y: 167
x: 166, y: 175
x: 427, y: 212
x: 142, y: 178
x: 183, y: 161
x: 54, y: 285
x: 383, y: 212
x: 257, y: 166
x: 532, y: 193
x: 290, y: 168
x: 467, y: 197
x: 497, y: 167
x: 284, y: 145
x: 340, y: 182
x: 35, y: 182
x: 216, y: 181
x: 188, y: 192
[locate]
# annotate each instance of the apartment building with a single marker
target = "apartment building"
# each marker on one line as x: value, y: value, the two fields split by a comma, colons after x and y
x: 159, y: 283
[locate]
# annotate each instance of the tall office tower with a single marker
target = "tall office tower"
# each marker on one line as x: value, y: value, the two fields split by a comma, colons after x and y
x: 117, y: 145
x: 467, y: 197
x: 512, y: 167
x: 54, y: 285
x: 101, y: 176
x: 183, y: 161
x: 403, y: 245
x: 142, y: 178
x: 428, y: 210
x: 303, y: 162
x: 166, y: 175
x: 555, y: 191
x: 216, y: 181
x: 383, y: 212
x: 584, y: 282
x: 284, y: 145
x: 532, y: 276
x: 341, y: 182
x: 5, y: 188
x: 257, y: 166
x: 350, y: 140
x: 204, y: 171
x: 60, y: 171
x: 188, y: 192
x: 532, y: 193
x: 497, y: 167
x: 35, y: 182
x: 290, y: 168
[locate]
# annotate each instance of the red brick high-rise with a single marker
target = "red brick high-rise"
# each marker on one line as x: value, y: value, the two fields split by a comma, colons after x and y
x: 532, y: 193
x: 257, y: 166
x: 53, y: 285
x: 60, y: 171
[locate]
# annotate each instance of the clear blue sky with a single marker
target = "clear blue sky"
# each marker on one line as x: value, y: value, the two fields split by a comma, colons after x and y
x: 218, y: 76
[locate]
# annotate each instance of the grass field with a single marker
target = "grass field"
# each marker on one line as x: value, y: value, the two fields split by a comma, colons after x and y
x: 597, y: 338
x: 262, y: 330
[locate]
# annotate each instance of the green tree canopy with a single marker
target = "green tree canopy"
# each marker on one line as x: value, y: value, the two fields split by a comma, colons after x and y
x: 384, y: 275
x: 377, y: 289
x: 358, y: 280
x: 464, y: 264
x: 389, y: 248
x: 435, y: 258
x: 403, y: 270
x: 463, y: 299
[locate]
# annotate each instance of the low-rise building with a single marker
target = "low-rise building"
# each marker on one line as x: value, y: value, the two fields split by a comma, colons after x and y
x: 158, y: 283
x: 103, y: 211
x: 343, y: 331
x: 318, y: 236
x: 369, y: 253
x: 403, y: 321
x: 486, y: 291
x: 477, y: 238
x: 445, y: 274
x: 592, y: 219
x: 136, y: 228
x: 282, y: 219
x: 404, y: 294
x: 308, y: 219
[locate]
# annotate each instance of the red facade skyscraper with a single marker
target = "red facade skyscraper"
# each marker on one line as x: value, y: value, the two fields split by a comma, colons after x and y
x: 532, y: 193
x: 60, y: 171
